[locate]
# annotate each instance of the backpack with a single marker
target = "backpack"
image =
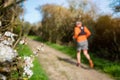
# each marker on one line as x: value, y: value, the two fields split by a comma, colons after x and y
x: 82, y: 31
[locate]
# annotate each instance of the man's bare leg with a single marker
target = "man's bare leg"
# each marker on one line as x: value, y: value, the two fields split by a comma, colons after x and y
x: 88, y: 57
x: 78, y: 58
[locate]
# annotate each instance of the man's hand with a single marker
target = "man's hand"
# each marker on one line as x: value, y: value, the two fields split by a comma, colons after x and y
x: 74, y: 39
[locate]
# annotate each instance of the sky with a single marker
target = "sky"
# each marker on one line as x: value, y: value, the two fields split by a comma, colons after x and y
x: 34, y: 16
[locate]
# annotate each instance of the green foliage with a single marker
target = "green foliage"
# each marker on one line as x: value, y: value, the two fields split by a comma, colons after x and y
x: 36, y: 38
x: 26, y: 28
x: 53, y: 22
x: 17, y: 29
x: 113, y: 70
x: 65, y: 49
x: 106, y: 41
x: 24, y: 50
x: 39, y: 73
x: 58, y: 22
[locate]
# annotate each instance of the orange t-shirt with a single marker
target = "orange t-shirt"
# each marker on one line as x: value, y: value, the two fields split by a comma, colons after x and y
x: 81, y: 37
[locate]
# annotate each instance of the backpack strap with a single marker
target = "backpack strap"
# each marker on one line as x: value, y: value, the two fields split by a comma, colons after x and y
x: 82, y: 31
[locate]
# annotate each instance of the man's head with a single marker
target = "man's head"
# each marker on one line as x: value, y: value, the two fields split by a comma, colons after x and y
x: 78, y: 23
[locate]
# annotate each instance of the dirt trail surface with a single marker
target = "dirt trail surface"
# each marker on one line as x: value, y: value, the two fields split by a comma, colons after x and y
x: 59, y: 66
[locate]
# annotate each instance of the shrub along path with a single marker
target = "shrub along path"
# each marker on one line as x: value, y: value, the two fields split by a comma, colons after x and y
x: 59, y: 66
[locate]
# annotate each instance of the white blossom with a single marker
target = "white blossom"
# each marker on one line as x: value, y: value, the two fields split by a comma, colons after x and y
x: 41, y: 47
x: 28, y: 72
x: 28, y: 65
x: 22, y: 42
x: 0, y: 23
x: 2, y: 77
x: 9, y: 34
x: 6, y: 52
x: 38, y: 49
x: 35, y: 53
x: 5, y: 42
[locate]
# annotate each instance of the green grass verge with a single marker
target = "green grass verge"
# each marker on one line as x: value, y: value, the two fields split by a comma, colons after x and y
x: 39, y: 73
x: 111, y: 68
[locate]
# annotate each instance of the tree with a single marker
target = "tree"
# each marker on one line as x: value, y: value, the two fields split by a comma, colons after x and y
x: 115, y: 4
x: 58, y: 22
x: 106, y: 41
x: 26, y: 28
x: 54, y: 17
x: 9, y: 12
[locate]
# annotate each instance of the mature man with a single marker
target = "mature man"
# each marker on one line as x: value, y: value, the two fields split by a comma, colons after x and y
x: 81, y: 33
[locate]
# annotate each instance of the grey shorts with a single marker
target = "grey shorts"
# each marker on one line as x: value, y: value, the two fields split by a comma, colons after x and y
x: 82, y: 45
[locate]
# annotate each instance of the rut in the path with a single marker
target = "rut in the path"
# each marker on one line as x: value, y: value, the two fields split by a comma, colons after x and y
x: 59, y: 66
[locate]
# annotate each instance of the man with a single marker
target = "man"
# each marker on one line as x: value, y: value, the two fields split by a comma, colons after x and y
x: 81, y: 33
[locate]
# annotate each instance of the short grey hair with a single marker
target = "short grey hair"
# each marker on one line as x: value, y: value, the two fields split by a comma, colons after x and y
x: 78, y: 22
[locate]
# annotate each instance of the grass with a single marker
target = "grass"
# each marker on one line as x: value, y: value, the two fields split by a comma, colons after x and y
x: 36, y: 38
x: 39, y: 73
x: 111, y: 68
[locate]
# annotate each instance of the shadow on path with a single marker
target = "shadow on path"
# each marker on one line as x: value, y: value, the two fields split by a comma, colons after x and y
x: 68, y: 60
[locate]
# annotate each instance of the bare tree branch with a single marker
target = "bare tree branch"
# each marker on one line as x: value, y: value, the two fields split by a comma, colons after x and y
x: 11, y: 5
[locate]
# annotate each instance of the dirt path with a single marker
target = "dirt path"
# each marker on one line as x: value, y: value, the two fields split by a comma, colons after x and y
x: 59, y: 66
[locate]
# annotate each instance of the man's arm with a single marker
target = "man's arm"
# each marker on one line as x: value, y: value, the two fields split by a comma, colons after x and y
x: 76, y: 32
x: 88, y: 33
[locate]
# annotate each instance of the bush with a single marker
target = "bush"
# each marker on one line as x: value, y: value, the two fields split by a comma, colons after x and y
x: 106, y: 41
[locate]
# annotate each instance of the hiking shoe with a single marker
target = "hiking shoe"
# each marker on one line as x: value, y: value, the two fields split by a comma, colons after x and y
x: 78, y: 64
x: 91, y: 63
